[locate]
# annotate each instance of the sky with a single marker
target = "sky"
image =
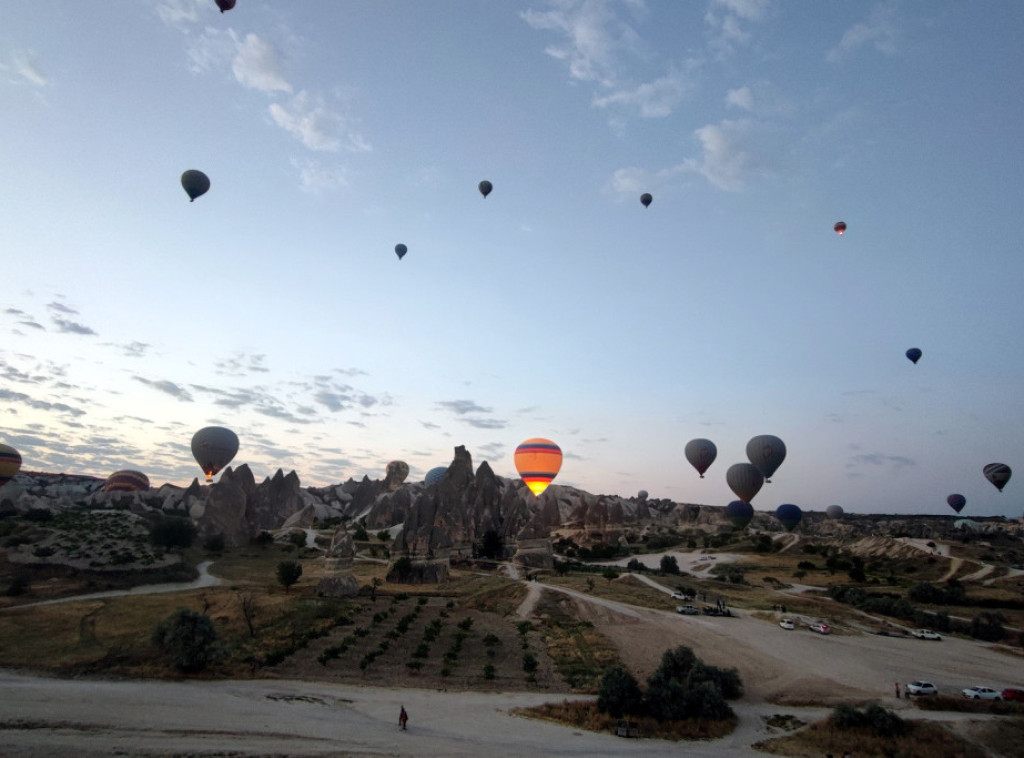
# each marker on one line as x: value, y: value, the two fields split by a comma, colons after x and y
x: 557, y: 307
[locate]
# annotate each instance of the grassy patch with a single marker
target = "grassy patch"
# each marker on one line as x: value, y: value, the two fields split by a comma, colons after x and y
x: 968, y: 705
x: 580, y: 653
x: 583, y: 714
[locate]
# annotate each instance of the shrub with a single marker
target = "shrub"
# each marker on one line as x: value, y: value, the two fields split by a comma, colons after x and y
x: 188, y: 639
x: 215, y: 543
x: 619, y: 693
x: 530, y: 663
x: 726, y: 681
x: 465, y: 624
x: 173, y: 533
x: 705, y: 701
x: 288, y: 573
x: 669, y: 564
x: 488, y: 671
x: 360, y: 534
x: 297, y: 538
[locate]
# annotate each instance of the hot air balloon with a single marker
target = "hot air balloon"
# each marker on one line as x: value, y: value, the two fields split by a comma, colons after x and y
x: 225, y: 5
x: 914, y: 354
x: 641, y: 496
x: 397, y: 471
x: 646, y: 199
x: 998, y: 473
x: 10, y: 463
x: 789, y: 515
x: 834, y: 511
x: 700, y: 453
x: 195, y: 183
x: 840, y: 227
x: 767, y: 452
x: 435, y: 475
x: 401, y: 250
x: 126, y: 481
x: 744, y: 480
x: 485, y: 187
x: 538, y: 461
x: 739, y: 513
x: 956, y: 502
x: 213, y: 448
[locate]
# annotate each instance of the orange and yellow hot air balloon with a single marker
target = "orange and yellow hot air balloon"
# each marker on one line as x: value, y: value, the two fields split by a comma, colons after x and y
x: 10, y: 463
x: 127, y: 481
x: 538, y: 461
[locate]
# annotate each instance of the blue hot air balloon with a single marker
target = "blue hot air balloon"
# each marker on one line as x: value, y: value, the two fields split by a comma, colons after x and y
x: 435, y: 475
x: 914, y: 354
x: 789, y: 515
x: 739, y: 513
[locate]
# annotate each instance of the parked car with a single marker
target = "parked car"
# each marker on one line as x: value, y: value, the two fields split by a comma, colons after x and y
x: 982, y: 693
x: 921, y: 687
x: 821, y: 628
x: 688, y: 610
x: 682, y: 596
x: 1013, y: 693
x: 787, y: 624
x: 926, y: 634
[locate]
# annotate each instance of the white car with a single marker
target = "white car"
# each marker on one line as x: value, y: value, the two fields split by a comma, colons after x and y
x: 982, y: 693
x: 926, y: 634
x: 682, y: 596
x: 787, y: 624
x: 821, y: 628
x: 688, y: 610
x: 921, y: 687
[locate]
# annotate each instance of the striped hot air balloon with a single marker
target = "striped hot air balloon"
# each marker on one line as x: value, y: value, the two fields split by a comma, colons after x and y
x: 10, y: 463
x: 998, y: 473
x: 126, y: 481
x: 538, y: 461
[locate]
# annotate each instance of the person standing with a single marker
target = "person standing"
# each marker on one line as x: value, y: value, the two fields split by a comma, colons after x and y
x: 403, y: 717
x: 897, y: 686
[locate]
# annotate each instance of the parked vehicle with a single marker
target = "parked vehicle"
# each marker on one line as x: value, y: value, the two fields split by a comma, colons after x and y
x: 688, y: 610
x: 1013, y: 693
x: 921, y: 687
x: 982, y: 693
x: 821, y: 628
x: 926, y: 634
x: 787, y: 624
x: 682, y: 596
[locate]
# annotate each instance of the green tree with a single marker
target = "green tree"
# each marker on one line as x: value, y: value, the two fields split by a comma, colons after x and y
x: 610, y: 574
x: 492, y: 546
x: 669, y: 564
x: 619, y: 693
x: 360, y: 534
x: 188, y: 639
x: 173, y: 533
x: 288, y: 573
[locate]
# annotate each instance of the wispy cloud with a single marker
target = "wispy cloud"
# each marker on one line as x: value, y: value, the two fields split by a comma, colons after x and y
x: 729, y: 158
x: 178, y: 12
x: 317, y: 126
x: 655, y: 99
x: 133, y: 349
x: 728, y: 23
x: 59, y: 307
x: 879, y: 30
x: 41, y: 405
x: 25, y: 70
x: 880, y: 459
x: 256, y: 65
x: 741, y: 98
x: 462, y: 407
x: 72, y: 327
x: 166, y: 386
x: 485, y: 423
x: 316, y: 178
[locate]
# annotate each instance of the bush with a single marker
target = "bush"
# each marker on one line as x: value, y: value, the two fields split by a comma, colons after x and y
x: 530, y: 663
x: 619, y: 693
x: 215, y: 544
x: 297, y: 538
x: 988, y: 626
x: 488, y: 671
x: 288, y: 573
x: 726, y: 681
x: 881, y: 721
x: 360, y: 535
x: 669, y: 564
x: 188, y: 639
x: 705, y: 701
x: 173, y: 533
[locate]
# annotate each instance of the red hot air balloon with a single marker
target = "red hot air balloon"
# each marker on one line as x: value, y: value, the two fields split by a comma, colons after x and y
x: 538, y: 461
x: 840, y: 227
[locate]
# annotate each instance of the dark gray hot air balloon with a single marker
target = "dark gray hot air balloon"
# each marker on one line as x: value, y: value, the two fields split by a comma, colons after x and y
x: 998, y: 473
x: 834, y: 511
x: 914, y: 354
x: 744, y: 480
x: 767, y: 452
x: 214, y: 447
x: 956, y: 501
x: 485, y: 187
x: 700, y: 453
x: 401, y: 250
x: 195, y: 183
x: 646, y: 199
x: 225, y: 5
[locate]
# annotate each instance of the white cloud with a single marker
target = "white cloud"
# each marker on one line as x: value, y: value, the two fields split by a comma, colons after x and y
x: 741, y: 97
x: 178, y: 12
x: 723, y: 19
x: 309, y: 119
x: 25, y: 70
x: 748, y: 10
x: 256, y: 66
x: 213, y: 48
x: 729, y: 158
x: 655, y: 99
x: 879, y: 30
x: 316, y: 178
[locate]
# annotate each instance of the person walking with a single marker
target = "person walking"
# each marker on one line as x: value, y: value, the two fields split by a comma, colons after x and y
x: 897, y: 686
x: 403, y: 717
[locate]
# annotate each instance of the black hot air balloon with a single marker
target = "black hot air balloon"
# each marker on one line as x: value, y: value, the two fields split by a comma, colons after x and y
x: 195, y: 183
x: 739, y: 513
x: 401, y: 250
x: 213, y: 448
x: 485, y: 187
x: 646, y: 199
x: 998, y: 473
x: 225, y: 5
x: 914, y: 354
x: 789, y: 515
x: 840, y: 227
x: 956, y: 502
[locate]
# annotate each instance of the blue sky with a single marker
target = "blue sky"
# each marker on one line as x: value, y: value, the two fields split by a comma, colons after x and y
x: 559, y: 306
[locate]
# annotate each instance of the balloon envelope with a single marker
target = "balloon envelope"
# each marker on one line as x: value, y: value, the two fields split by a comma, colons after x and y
x: 767, y: 452
x: 744, y: 480
x: 397, y: 471
x: 435, y: 475
x: 914, y: 354
x: 401, y: 250
x: 834, y: 511
x: 641, y: 495
x: 127, y: 481
x: 485, y: 187
x: 195, y: 183
x: 999, y: 474
x: 10, y: 463
x: 956, y: 502
x: 700, y: 453
x: 213, y: 448
x: 789, y: 515
x: 840, y: 227
x: 646, y: 199
x: 538, y: 461
x: 739, y: 513
x: 225, y: 5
